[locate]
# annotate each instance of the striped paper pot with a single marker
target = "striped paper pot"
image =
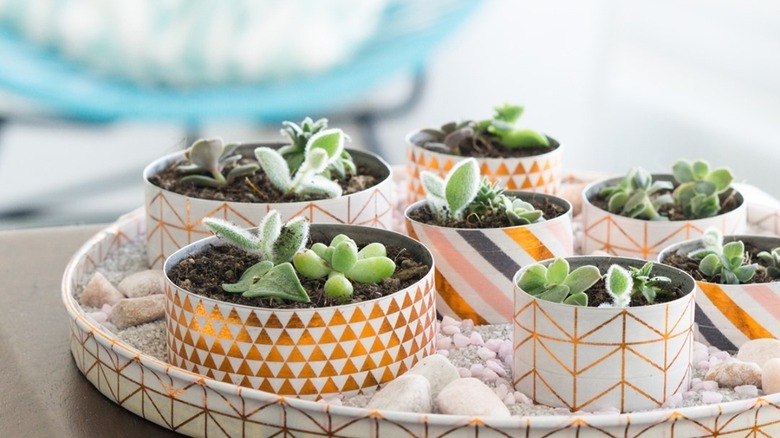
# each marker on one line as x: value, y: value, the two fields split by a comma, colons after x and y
x: 307, y: 353
x: 539, y: 173
x: 590, y: 358
x: 474, y: 267
x: 174, y: 220
x: 728, y: 315
x: 628, y: 237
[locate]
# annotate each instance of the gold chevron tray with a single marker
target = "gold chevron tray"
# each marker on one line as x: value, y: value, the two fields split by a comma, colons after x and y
x: 194, y: 405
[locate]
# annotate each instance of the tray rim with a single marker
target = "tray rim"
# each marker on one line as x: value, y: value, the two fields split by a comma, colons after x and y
x: 541, y: 422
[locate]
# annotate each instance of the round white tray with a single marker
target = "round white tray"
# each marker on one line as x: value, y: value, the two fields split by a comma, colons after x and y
x: 198, y: 406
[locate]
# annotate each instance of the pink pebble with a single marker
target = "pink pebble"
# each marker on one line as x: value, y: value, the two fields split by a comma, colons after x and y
x: 97, y: 317
x: 450, y: 329
x: 107, y: 308
x: 699, y: 356
x: 444, y: 343
x: 505, y: 351
x: 444, y: 353
x: 722, y: 355
x: 703, y: 365
x: 494, y: 365
x: 476, y: 339
x: 673, y: 400
x: 460, y: 340
x: 489, y: 375
x: 522, y: 398
x: 509, y: 399
x: 493, y: 344
x: 710, y: 397
x: 464, y: 372
x: 501, y: 391
x: 709, y: 385
x: 689, y: 394
x: 466, y: 324
x: 449, y: 321
x: 477, y: 370
x: 749, y: 390
x: 485, y: 353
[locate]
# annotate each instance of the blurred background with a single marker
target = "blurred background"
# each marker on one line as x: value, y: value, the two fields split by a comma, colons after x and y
x: 88, y: 98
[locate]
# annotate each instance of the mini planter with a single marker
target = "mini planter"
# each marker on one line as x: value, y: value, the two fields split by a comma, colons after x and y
x: 589, y: 358
x: 538, y: 173
x: 629, y: 237
x: 729, y: 315
x: 174, y: 220
x: 307, y: 352
x: 474, y: 267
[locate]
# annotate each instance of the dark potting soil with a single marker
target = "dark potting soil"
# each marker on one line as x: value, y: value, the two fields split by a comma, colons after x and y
x: 597, y: 294
x: 728, y: 202
x: 204, y: 274
x: 255, y: 188
x: 483, y: 147
x: 426, y: 215
x: 682, y: 262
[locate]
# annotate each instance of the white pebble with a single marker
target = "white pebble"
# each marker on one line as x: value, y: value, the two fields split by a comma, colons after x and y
x: 449, y: 321
x: 444, y: 353
x: 107, y: 309
x: 700, y: 356
x: 470, y: 397
x: 673, y: 400
x: 464, y: 372
x: 408, y: 393
x: 444, y: 343
x: 485, y: 353
x: 522, y: 398
x: 710, y: 397
x: 722, y: 355
x: 748, y: 390
x: 466, y: 325
x: 142, y: 284
x: 759, y: 351
x: 496, y: 367
x: 493, y: 344
x: 476, y: 339
x: 501, y: 391
x: 438, y: 370
x: 505, y: 352
x: 770, y: 381
x: 129, y: 312
x: 699, y: 346
x: 489, y: 375
x: 703, y: 365
x: 97, y: 317
x: 695, y: 381
x: 99, y: 291
x: 735, y: 373
x: 460, y: 340
x: 509, y: 399
x: 689, y: 394
x: 450, y: 329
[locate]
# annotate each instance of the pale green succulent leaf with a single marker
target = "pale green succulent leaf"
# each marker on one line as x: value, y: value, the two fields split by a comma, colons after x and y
x: 249, y: 278
x: 578, y: 299
x: 556, y: 293
x: 234, y: 234
x: 700, y: 169
x: 310, y: 265
x: 557, y: 271
x: 205, y: 153
x: 279, y: 282
x: 533, y: 279
x: 337, y: 286
x: 682, y: 171
x: 721, y: 178
x: 241, y: 171
x: 432, y: 184
x: 619, y: 281
x: 582, y: 278
x: 204, y: 181
x: 371, y: 270
x: 331, y: 141
x: 275, y: 168
x: 461, y: 185
x: 710, y: 265
x: 374, y: 249
x: 292, y: 239
x: 345, y: 256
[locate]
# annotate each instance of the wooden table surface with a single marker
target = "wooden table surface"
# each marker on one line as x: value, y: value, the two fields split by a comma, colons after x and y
x: 42, y: 392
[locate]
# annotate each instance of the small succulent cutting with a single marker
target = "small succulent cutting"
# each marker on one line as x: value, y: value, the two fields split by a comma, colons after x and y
x: 300, y: 135
x: 772, y: 261
x: 633, y: 196
x: 727, y: 261
x: 555, y: 283
x: 212, y: 156
x: 274, y: 276
x: 699, y: 187
x: 462, y: 194
x: 342, y: 263
x: 322, y: 149
x: 622, y: 284
x: 501, y: 128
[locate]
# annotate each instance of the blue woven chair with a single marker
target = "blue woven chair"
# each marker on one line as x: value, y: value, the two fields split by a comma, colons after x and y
x: 407, y: 34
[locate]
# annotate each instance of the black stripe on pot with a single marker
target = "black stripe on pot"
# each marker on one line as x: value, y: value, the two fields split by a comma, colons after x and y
x: 714, y: 337
x: 498, y: 258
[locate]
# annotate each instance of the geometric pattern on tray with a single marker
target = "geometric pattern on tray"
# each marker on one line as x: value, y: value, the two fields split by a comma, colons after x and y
x: 174, y: 220
x: 194, y: 405
x: 539, y: 173
x: 631, y: 359
x: 307, y: 353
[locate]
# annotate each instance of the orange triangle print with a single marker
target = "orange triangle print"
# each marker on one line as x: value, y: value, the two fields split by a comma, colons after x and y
x: 519, y: 169
x: 244, y: 369
x: 540, y: 182
x: 502, y: 170
x: 306, y: 338
x: 547, y: 165
x: 328, y: 370
x: 226, y: 367
x: 265, y: 371
x: 392, y: 308
x: 296, y: 356
x: 433, y: 164
x: 287, y: 389
x: 359, y: 350
x: 273, y: 322
x: 233, y: 317
x: 308, y: 388
x: 253, y: 321
x: 376, y: 312
x: 386, y: 360
x: 367, y: 332
x: 186, y: 305
x: 385, y: 327
x: 285, y: 372
x: 254, y: 353
x: 194, y: 326
x: 393, y: 341
x: 387, y: 376
x: 337, y: 319
x: 401, y: 322
x: 421, y: 159
x: 208, y: 329
x: 447, y: 165
x: 209, y: 362
x: 295, y: 322
x: 348, y: 335
x: 407, y: 302
x: 349, y: 368
x: 224, y: 333
x: 194, y: 358
x: 201, y: 344
x: 243, y: 335
x: 188, y: 339
x: 316, y: 321
x: 357, y: 316
x: 330, y: 387
x: 377, y: 346
x: 484, y: 169
x: 327, y: 337
x: 510, y: 185
x: 338, y: 353
x: 368, y: 365
x: 317, y: 355
x: 370, y: 381
x: 351, y: 384
x: 263, y: 338
x: 284, y: 339
x: 216, y: 315
x: 200, y: 309
x: 245, y: 382
x: 274, y: 355
x: 217, y: 349
x: 535, y: 167
x: 307, y: 372
x: 527, y: 184
x: 266, y: 386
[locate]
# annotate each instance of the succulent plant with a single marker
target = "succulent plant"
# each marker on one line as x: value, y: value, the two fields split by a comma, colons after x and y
x: 772, y: 261
x: 501, y: 128
x: 322, y: 149
x: 698, y: 187
x: 520, y: 212
x: 727, y: 261
x: 300, y: 135
x: 274, y: 276
x: 212, y: 156
x: 633, y: 195
x: 622, y: 284
x: 555, y: 283
x: 342, y: 263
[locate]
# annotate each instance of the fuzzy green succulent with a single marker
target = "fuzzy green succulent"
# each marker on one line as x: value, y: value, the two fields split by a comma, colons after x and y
x: 633, y: 196
x: 322, y: 149
x: 555, y: 283
x: 212, y: 156
x: 698, y: 187
x: 342, y: 263
x: 274, y: 276
x: 727, y: 261
x: 501, y: 128
x: 300, y: 135
x: 772, y: 261
x: 622, y: 284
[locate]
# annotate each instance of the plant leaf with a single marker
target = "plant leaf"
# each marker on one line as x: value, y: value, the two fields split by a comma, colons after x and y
x: 461, y: 185
x: 371, y: 270
x: 557, y: 271
x: 310, y: 265
x: 700, y: 169
x: 329, y: 140
x: 578, y: 299
x: 710, y: 265
x: 319, y: 185
x: 374, y: 249
x: 242, y: 170
x: 734, y: 250
x: 344, y: 256
x: 203, y: 181
x: 582, y: 278
x: 275, y: 168
x: 249, y: 278
x: 432, y: 184
x: 292, y: 239
x: 721, y: 177
x: 337, y: 286
x: 745, y: 273
x: 533, y: 279
x: 619, y: 281
x: 556, y: 294
x: 682, y: 171
x: 205, y: 153
x: 270, y: 230
x: 234, y: 234
x: 280, y: 282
